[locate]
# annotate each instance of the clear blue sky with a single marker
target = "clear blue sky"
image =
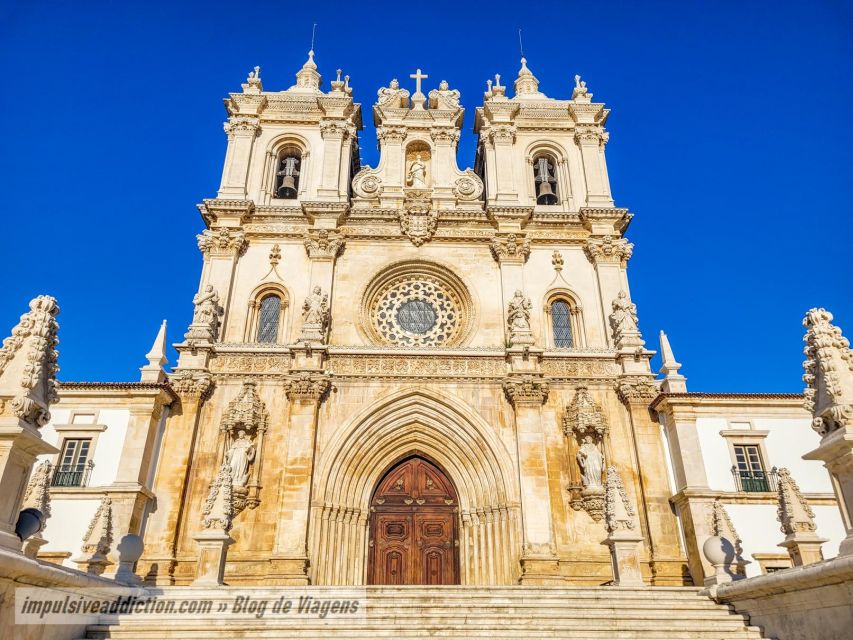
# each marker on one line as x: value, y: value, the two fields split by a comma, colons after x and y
x: 730, y: 141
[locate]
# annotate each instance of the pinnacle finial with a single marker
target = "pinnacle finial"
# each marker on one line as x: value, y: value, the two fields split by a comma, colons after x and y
x: 153, y: 371
x: 673, y: 381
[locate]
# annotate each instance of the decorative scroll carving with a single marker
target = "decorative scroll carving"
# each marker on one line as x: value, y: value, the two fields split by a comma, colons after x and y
x: 34, y: 340
x: 242, y: 126
x: 828, y: 373
x: 468, y: 187
x: 367, y: 183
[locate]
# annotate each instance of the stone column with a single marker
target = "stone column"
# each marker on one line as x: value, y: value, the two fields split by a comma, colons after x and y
x: 323, y: 245
x: 829, y: 398
x: 242, y: 131
x: 511, y: 251
x: 27, y: 389
x: 637, y: 393
x: 305, y: 390
x: 539, y: 562
x: 193, y: 387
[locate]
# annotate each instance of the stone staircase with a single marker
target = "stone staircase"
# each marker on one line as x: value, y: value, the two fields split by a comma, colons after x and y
x: 649, y: 613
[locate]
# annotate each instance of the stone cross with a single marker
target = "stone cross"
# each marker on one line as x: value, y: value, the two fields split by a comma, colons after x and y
x: 417, y: 77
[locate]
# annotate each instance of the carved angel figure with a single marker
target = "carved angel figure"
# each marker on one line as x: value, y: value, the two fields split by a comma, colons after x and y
x: 591, y: 463
x: 315, y: 309
x: 240, y: 456
x: 518, y: 313
x: 207, y: 308
x: 444, y: 97
x: 417, y: 174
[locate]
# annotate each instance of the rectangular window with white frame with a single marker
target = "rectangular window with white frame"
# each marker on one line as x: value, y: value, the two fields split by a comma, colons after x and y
x: 74, y: 463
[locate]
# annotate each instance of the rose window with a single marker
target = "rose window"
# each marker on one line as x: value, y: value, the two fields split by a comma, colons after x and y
x: 417, y: 305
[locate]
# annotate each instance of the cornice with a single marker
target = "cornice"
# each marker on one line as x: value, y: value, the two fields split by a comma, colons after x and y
x: 699, y: 399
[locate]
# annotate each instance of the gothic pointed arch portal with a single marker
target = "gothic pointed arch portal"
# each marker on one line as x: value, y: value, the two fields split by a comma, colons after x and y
x: 413, y: 526
x: 448, y: 433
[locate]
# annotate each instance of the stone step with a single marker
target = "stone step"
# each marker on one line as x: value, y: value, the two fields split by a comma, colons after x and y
x: 647, y: 613
x: 494, y: 632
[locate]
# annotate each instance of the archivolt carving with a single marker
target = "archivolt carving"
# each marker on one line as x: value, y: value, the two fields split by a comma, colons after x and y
x: 417, y: 304
x: 459, y: 440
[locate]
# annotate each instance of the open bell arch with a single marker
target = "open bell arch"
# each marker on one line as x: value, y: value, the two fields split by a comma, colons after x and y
x: 444, y: 429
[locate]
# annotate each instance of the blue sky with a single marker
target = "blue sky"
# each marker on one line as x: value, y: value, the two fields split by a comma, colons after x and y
x: 730, y: 141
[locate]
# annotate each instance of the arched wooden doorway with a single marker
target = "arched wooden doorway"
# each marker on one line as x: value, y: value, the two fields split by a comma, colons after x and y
x: 413, y: 529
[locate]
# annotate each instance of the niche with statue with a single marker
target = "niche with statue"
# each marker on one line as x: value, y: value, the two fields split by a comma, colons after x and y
x: 243, y: 428
x: 585, y: 428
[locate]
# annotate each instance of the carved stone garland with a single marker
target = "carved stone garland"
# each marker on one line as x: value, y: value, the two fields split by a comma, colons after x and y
x: 244, y: 426
x: 584, y: 420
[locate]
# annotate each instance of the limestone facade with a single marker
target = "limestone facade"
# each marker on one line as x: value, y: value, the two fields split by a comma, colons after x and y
x: 349, y: 317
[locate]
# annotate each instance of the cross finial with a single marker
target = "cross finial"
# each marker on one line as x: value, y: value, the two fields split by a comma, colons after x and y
x: 417, y: 77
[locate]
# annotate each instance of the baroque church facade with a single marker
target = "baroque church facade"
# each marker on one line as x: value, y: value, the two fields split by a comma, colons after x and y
x: 416, y: 373
x: 419, y: 374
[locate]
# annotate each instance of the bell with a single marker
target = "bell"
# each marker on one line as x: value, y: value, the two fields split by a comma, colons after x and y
x: 546, y: 194
x: 288, y: 187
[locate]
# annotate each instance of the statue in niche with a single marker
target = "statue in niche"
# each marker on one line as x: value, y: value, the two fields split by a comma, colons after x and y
x: 591, y: 463
x: 240, y: 456
x: 417, y: 174
x: 624, y: 322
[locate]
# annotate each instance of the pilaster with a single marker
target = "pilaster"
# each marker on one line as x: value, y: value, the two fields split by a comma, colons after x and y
x: 637, y: 393
x: 242, y: 131
x: 193, y: 387
x: 306, y: 390
x: 539, y: 562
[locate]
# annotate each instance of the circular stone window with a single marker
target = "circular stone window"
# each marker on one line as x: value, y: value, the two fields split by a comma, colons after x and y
x: 416, y: 304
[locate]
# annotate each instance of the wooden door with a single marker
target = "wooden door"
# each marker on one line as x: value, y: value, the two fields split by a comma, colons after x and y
x: 413, y: 537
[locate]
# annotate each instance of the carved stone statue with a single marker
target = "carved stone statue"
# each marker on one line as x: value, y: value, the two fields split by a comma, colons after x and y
x: 444, y: 97
x: 417, y: 174
x: 518, y: 320
x: 591, y: 463
x: 393, y: 96
x: 624, y: 321
x: 315, y: 316
x: 205, y: 324
x: 240, y: 456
